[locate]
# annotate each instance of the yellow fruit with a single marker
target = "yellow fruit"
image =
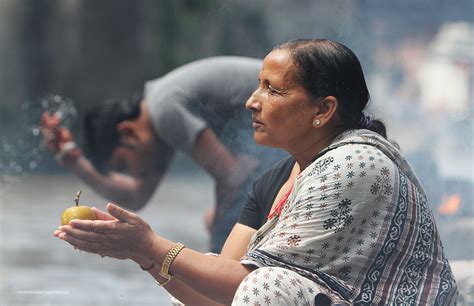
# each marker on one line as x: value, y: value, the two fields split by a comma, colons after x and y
x: 77, y: 212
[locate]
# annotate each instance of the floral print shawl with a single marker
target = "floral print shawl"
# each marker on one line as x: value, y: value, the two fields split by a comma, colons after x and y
x: 358, y: 224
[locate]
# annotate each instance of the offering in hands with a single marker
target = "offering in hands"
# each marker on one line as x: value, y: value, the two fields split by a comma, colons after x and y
x: 77, y: 212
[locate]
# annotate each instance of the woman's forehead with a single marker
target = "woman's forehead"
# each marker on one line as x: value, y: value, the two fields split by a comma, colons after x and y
x: 279, y: 63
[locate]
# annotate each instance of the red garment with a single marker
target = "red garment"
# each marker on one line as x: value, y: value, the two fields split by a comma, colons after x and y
x: 277, y: 210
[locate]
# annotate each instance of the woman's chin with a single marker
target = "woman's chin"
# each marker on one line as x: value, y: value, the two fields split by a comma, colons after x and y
x: 261, y: 140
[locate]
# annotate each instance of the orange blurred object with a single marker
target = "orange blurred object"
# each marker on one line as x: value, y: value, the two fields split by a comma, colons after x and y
x: 451, y: 205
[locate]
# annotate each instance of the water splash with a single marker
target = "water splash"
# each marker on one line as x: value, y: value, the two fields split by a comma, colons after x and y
x: 60, y: 106
x: 26, y: 152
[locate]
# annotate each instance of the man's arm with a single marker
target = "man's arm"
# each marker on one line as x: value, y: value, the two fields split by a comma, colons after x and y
x: 211, y: 154
x: 129, y: 191
x: 228, y: 171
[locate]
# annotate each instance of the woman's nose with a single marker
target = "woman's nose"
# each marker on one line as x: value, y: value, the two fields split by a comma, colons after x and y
x: 252, y: 103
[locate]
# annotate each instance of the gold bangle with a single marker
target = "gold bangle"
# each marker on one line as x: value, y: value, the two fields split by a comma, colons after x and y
x: 170, y: 256
x: 163, y: 283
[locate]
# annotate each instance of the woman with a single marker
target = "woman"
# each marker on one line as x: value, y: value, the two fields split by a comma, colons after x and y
x: 344, y: 219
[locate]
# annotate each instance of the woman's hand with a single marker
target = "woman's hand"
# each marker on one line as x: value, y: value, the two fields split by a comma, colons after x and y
x: 119, y: 234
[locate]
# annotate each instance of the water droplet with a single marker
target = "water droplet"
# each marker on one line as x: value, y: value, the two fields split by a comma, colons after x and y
x: 59, y: 114
x: 7, y: 147
x: 45, y: 103
x: 121, y: 296
x: 36, y: 131
x: 33, y: 164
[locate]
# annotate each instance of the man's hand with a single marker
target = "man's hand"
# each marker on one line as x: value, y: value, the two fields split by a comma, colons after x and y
x: 228, y: 187
x: 209, y: 216
x: 59, y: 140
x: 55, y: 136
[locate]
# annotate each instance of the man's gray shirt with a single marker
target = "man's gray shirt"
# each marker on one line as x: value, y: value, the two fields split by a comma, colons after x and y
x: 206, y: 93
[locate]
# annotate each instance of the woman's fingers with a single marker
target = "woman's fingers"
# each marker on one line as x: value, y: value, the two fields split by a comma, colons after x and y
x: 120, y: 213
x: 98, y: 226
x: 120, y: 235
x: 102, y: 215
x: 79, y: 244
x: 91, y: 237
x: 92, y: 247
x: 87, y: 241
x: 57, y: 232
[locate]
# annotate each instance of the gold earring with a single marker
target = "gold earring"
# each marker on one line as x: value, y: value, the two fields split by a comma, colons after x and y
x: 316, y: 122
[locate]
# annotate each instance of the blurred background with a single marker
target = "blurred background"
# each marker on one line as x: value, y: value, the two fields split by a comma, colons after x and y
x: 418, y: 58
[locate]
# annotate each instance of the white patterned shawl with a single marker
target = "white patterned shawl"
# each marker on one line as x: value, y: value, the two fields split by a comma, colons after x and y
x: 358, y: 224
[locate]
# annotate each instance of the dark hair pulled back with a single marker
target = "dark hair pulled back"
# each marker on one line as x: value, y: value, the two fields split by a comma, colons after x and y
x: 327, y: 68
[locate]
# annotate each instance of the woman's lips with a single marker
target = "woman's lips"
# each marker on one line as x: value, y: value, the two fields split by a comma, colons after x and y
x: 256, y: 123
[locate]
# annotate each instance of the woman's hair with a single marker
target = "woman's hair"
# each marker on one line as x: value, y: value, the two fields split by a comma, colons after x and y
x: 328, y: 68
x: 100, y: 128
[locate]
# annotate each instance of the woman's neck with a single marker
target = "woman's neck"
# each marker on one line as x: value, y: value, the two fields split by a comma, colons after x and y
x: 307, y: 155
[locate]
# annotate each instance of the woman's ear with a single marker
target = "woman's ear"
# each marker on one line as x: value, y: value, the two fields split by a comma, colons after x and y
x: 324, y: 111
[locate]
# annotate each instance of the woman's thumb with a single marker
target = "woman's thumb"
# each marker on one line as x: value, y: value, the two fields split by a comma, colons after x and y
x: 119, y: 213
x: 101, y: 215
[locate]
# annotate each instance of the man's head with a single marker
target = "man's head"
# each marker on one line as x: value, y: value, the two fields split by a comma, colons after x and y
x: 119, y: 137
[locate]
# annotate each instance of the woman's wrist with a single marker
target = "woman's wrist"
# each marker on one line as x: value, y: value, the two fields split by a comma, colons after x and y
x: 148, y: 265
x: 142, y: 262
x: 156, y: 249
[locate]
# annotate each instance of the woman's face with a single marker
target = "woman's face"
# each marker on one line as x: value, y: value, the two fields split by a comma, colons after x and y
x: 282, y: 111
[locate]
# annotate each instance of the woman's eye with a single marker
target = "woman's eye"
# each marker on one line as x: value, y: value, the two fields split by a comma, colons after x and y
x: 273, y: 90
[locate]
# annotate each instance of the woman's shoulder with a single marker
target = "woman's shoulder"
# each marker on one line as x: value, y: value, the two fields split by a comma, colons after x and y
x: 278, y: 171
x: 364, y: 138
x: 351, y: 158
x: 369, y: 146
x: 361, y: 143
